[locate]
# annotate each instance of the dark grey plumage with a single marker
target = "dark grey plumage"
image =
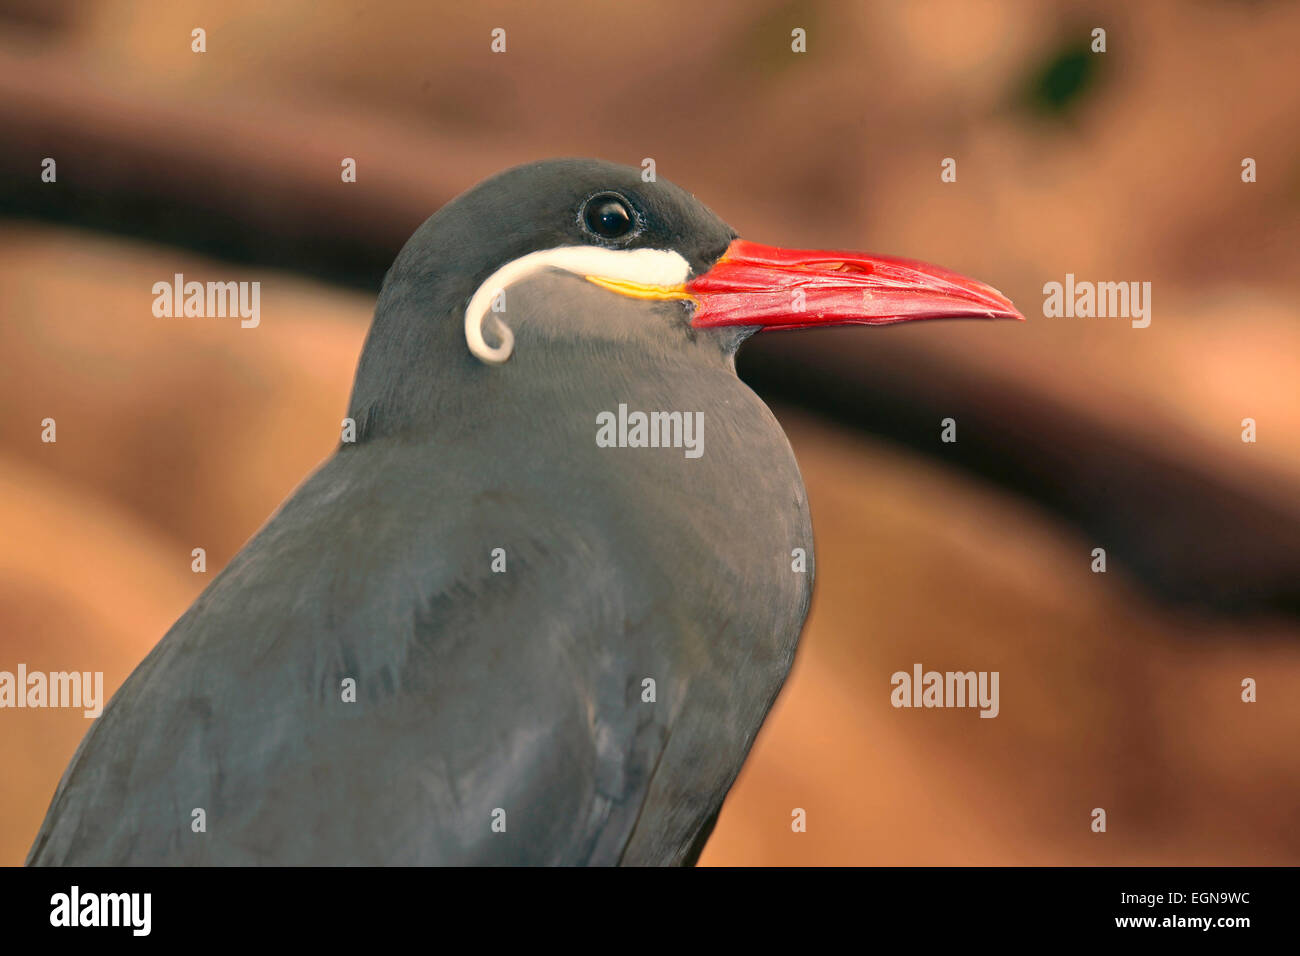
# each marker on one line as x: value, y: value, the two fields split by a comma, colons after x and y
x: 476, y: 690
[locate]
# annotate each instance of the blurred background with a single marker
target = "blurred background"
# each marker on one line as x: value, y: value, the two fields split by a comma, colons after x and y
x: 1118, y: 690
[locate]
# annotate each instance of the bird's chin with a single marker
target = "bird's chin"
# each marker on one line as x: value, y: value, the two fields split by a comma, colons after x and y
x: 729, y: 338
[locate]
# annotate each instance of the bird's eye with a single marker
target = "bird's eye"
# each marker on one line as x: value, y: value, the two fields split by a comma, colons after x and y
x: 608, y: 216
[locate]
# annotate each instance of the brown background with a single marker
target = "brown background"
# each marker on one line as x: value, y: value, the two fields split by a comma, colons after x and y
x: 1118, y: 691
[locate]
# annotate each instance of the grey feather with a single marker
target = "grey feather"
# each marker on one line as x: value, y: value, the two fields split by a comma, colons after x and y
x: 476, y: 691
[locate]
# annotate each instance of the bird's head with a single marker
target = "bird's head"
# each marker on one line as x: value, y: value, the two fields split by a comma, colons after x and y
x: 583, y: 251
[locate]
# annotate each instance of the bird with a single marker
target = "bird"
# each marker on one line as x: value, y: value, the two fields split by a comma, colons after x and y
x: 535, y: 609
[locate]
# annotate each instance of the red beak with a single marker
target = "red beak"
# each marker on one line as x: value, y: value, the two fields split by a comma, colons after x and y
x: 794, y: 289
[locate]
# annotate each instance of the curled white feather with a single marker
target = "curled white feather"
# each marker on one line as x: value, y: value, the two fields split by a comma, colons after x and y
x: 651, y: 267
